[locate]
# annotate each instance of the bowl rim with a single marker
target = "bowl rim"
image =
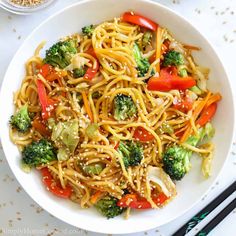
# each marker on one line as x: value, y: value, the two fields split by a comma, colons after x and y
x: 176, y: 14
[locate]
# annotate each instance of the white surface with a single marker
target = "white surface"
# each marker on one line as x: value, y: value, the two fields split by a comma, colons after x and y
x: 13, y: 206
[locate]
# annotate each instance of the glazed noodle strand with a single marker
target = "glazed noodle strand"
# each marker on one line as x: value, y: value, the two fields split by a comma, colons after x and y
x: 76, y: 111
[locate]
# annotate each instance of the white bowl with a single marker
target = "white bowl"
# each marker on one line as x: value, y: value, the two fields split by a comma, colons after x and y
x: 192, y: 187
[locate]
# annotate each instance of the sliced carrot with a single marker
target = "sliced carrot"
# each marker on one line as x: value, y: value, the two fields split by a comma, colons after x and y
x: 191, y: 47
x: 95, y: 197
x: 87, y: 106
x: 207, y: 114
x: 214, y: 98
x: 40, y: 127
x: 186, y: 134
x: 158, y: 47
x: 52, y: 77
x: 199, y: 107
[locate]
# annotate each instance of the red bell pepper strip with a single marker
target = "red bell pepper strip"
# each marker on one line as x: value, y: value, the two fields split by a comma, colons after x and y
x: 49, y: 73
x: 183, y: 105
x: 133, y: 201
x: 40, y: 126
x: 45, y: 70
x: 142, y: 135
x: 47, y: 104
x: 117, y: 146
x: 91, y: 72
x: 169, y: 80
x: 139, y: 20
x: 207, y: 114
x: 53, y: 186
x: 91, y: 52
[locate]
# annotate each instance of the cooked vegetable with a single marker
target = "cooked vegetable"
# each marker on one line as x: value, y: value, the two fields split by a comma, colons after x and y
x: 173, y: 58
x: 107, y: 206
x: 176, y: 158
x: 146, y: 39
x: 67, y: 134
x: 47, y: 104
x: 165, y: 128
x: 87, y: 105
x: 183, y: 73
x: 169, y: 80
x: 142, y: 135
x: 60, y: 54
x: 207, y: 114
x: 142, y: 63
x: 53, y: 186
x: 207, y: 160
x: 21, y: 120
x: 79, y: 72
x: 124, y: 107
x: 133, y: 18
x: 184, y: 104
x: 159, y: 177
x: 88, y: 30
x: 92, y: 71
x: 136, y: 202
x: 92, y: 130
x: 41, y: 127
x: 131, y: 152
x: 93, y: 169
x: 196, y: 90
x: 39, y: 153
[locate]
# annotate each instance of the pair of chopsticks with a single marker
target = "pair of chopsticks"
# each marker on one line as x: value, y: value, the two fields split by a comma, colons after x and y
x: 207, y: 210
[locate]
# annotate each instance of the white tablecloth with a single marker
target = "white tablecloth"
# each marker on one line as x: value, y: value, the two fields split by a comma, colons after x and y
x: 20, y: 215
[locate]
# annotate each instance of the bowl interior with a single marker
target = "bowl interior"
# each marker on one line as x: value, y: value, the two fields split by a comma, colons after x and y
x: 193, y: 186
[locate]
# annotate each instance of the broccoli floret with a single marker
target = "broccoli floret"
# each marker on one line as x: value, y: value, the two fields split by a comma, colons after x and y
x: 79, y: 72
x: 176, y: 158
x: 131, y: 152
x: 107, y: 206
x: 124, y: 107
x: 142, y: 63
x: 88, y: 30
x: 146, y: 40
x: 173, y: 58
x: 38, y: 153
x: 60, y: 54
x: 21, y: 120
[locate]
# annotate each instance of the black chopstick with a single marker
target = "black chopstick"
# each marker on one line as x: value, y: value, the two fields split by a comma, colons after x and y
x: 205, y: 211
x: 217, y: 219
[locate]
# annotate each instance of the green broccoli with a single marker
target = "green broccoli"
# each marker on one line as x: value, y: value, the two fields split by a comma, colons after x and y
x: 107, y: 206
x: 123, y: 107
x: 142, y: 63
x: 79, y: 72
x: 60, y: 54
x: 173, y: 58
x: 38, y: 153
x: 88, y: 30
x: 131, y: 152
x: 146, y: 39
x: 21, y: 120
x: 176, y: 158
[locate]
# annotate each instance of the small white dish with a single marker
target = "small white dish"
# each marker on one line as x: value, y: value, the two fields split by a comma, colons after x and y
x: 25, y: 10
